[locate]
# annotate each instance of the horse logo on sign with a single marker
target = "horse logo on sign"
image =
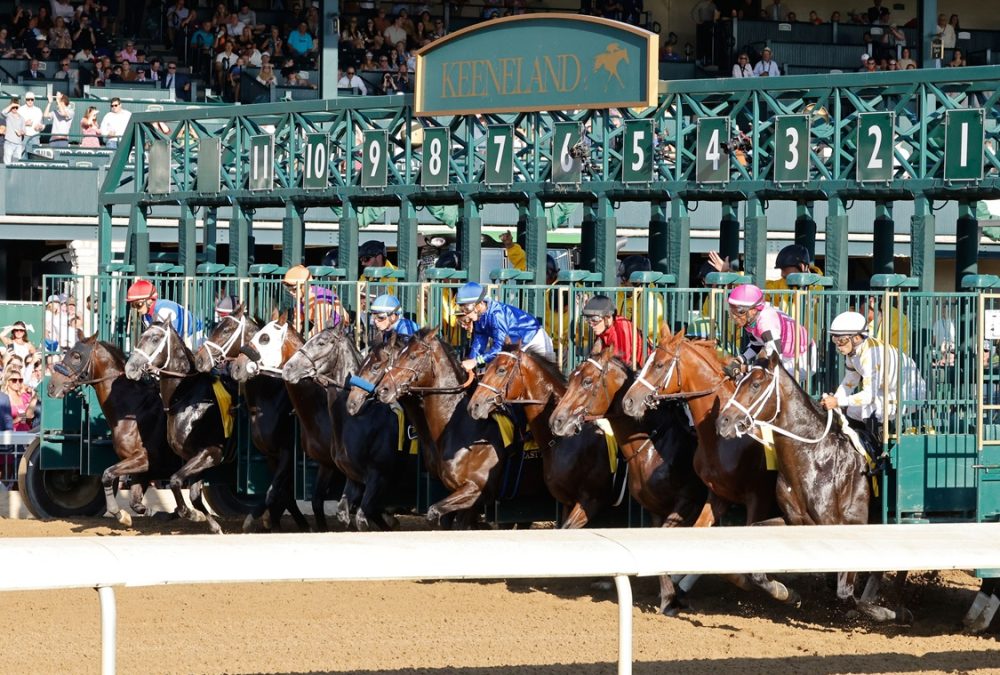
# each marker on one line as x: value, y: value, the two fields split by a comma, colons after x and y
x: 609, y: 60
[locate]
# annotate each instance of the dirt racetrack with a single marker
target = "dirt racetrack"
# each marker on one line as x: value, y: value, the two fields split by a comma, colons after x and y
x: 473, y: 628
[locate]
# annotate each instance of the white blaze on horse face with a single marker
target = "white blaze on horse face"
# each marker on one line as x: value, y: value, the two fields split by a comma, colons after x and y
x: 268, y: 342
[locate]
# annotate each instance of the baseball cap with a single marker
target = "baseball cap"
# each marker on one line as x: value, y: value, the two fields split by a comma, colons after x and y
x: 30, y: 96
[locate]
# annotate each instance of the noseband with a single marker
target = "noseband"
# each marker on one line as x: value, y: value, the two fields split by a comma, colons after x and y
x: 654, y: 396
x: 749, y: 421
x: 502, y: 397
x: 223, y: 350
x: 164, y: 344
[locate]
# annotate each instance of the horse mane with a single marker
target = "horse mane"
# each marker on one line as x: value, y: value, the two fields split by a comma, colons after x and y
x: 712, y: 346
x: 623, y: 365
x: 446, y: 347
x: 114, y: 350
x: 549, y: 367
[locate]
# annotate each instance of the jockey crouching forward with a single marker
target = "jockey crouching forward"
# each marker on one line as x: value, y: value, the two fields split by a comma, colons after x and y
x: 771, y: 331
x: 494, y: 324
x: 386, y: 317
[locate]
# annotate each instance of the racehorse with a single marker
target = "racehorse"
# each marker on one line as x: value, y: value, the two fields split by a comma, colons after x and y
x: 822, y: 477
x: 365, y: 445
x: 577, y: 469
x: 470, y: 454
x: 734, y: 470
x: 195, y: 423
x: 134, y: 415
x: 659, y: 453
x: 272, y: 428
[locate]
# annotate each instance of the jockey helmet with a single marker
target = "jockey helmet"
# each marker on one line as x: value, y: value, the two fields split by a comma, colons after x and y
x: 849, y: 323
x: 703, y: 271
x: 447, y: 260
x: 746, y: 295
x: 330, y: 258
x: 551, y: 266
x: 793, y: 255
x: 633, y: 264
x: 226, y: 305
x: 297, y: 275
x: 370, y: 249
x: 599, y: 305
x: 470, y: 294
x: 387, y: 304
x: 141, y: 289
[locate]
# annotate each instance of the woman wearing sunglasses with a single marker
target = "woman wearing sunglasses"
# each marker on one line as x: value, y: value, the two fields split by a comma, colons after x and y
x: 771, y: 331
x: 18, y: 341
x: 22, y: 399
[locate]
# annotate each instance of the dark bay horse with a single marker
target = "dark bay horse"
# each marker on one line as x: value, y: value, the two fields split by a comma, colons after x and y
x: 134, y: 414
x: 659, y: 452
x: 365, y: 444
x: 734, y: 470
x: 577, y: 469
x: 272, y: 427
x: 822, y: 477
x: 195, y: 428
x: 470, y: 454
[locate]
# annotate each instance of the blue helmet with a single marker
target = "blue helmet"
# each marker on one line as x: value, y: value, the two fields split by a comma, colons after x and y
x: 387, y: 304
x: 470, y: 293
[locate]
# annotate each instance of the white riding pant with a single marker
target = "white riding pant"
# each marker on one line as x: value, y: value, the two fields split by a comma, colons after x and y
x: 541, y: 344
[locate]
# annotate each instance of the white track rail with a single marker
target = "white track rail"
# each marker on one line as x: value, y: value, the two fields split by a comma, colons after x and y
x: 105, y: 562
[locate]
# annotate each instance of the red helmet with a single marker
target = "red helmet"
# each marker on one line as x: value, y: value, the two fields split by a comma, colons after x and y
x: 141, y: 289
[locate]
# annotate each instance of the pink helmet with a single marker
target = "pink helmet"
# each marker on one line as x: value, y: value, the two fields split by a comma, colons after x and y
x: 746, y: 295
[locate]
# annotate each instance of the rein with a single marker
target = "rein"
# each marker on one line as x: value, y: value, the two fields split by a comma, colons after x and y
x: 76, y: 377
x: 457, y: 389
x: 500, y: 397
x: 750, y: 412
x: 164, y: 344
x: 237, y: 334
x: 674, y: 366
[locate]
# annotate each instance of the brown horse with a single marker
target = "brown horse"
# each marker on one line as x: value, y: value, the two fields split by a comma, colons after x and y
x: 470, y: 454
x: 134, y: 414
x: 822, y: 477
x: 577, y: 469
x: 659, y: 453
x: 734, y: 470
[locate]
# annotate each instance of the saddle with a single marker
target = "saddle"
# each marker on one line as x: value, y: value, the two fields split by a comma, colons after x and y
x: 868, y: 446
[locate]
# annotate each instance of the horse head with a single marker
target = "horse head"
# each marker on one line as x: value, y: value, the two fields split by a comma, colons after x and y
x: 503, y: 381
x: 160, y: 349
x: 223, y: 344
x: 380, y: 358
x: 658, y: 375
x: 757, y: 398
x: 592, y: 389
x: 267, y: 352
x: 328, y: 357
x: 77, y: 367
x: 423, y: 363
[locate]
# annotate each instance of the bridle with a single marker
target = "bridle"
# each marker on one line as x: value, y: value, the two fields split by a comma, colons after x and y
x: 75, y: 378
x: 212, y: 348
x: 675, y: 366
x: 583, y: 411
x: 164, y: 344
x: 503, y: 397
x: 749, y: 422
x: 410, y: 389
x: 252, y: 350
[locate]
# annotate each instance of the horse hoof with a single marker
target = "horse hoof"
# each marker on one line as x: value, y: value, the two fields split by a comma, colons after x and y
x: 140, y: 509
x: 196, y: 516
x: 673, y: 608
x: 265, y: 520
x: 164, y: 516
x: 124, y: 518
x: 214, y: 527
x: 794, y: 599
x: 904, y: 617
x: 433, y: 515
x: 602, y: 585
x: 248, y: 524
x: 392, y: 521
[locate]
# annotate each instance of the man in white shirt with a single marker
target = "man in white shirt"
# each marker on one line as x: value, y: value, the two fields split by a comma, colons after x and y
x: 32, y: 116
x: 223, y: 62
x: 114, y: 123
x: 351, y: 79
x: 395, y: 33
x: 234, y: 27
x: 766, y: 67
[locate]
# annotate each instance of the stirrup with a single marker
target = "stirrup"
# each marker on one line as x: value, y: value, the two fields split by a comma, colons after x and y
x: 882, y: 465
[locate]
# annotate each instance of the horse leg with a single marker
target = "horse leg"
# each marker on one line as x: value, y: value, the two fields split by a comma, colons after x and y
x: 464, y: 497
x: 194, y: 467
x: 371, y: 502
x: 984, y: 607
x: 320, y: 490
x: 126, y: 467
x: 135, y: 494
x: 199, y: 503
x: 349, y: 500
x: 868, y: 602
x: 577, y: 518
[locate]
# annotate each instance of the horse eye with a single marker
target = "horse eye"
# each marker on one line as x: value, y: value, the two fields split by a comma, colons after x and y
x: 76, y: 357
x: 755, y: 386
x: 657, y: 365
x: 264, y: 339
x: 501, y: 371
x: 588, y: 383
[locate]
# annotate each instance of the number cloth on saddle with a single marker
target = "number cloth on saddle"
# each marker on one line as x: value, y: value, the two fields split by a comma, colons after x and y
x: 609, y: 439
x: 225, y: 401
x: 407, y: 441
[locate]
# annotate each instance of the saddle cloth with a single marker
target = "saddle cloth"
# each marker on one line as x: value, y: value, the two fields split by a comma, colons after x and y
x: 407, y: 435
x: 609, y: 439
x: 225, y: 401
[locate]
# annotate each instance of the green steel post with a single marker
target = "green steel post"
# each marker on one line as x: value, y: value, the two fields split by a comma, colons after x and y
x: 521, y: 229
x: 293, y: 235
x: 884, y: 240
x: 922, y: 235
x: 836, y: 242
x: 537, y: 235
x: 104, y: 238
x: 805, y: 227
x: 729, y: 232
x: 187, y: 241
x: 680, y: 243
x: 606, y: 248
x: 755, y: 240
x: 330, y: 39
x: 347, y: 243
x: 211, y: 235
x: 471, y: 240
x: 407, y: 254
x: 659, y: 237
x: 588, y: 237
x: 137, y: 251
x: 239, y: 240
x: 966, y: 243
x: 927, y: 11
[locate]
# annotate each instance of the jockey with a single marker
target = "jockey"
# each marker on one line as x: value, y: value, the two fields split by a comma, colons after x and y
x: 771, y: 331
x: 386, y: 316
x: 612, y: 331
x: 870, y: 364
x: 494, y: 324
x: 144, y: 299
x: 556, y: 323
x: 225, y: 306
x: 319, y: 304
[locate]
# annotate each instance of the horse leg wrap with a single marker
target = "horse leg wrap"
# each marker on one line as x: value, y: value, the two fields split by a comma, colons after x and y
x: 687, y: 583
x: 978, y: 605
x: 986, y: 617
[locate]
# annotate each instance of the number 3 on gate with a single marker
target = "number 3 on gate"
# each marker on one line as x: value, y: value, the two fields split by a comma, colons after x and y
x: 791, y: 148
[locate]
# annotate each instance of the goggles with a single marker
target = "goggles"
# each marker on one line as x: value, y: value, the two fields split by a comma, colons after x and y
x: 841, y: 340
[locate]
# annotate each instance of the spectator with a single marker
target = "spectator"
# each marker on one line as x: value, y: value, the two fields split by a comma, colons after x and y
x: 350, y: 80
x: 60, y: 38
x: 266, y: 76
x: 128, y: 74
x: 905, y: 61
x: 13, y: 137
x: 66, y: 73
x: 114, y: 123
x: 875, y: 11
x: 85, y: 55
x: 84, y: 36
x: 247, y: 16
x: 742, y: 66
x: 274, y: 45
x: 835, y: 17
x: 946, y: 32
x: 351, y: 31
x: 382, y: 22
x: 792, y: 18
x: 766, y: 67
x: 777, y: 11
x: 234, y: 79
x: 667, y: 54
x: 368, y: 63
x: 62, y: 120
x: 179, y: 18
x: 234, y: 27
x: 178, y: 81
x: 6, y: 412
x: 704, y: 14
x: 32, y: 116
x: 61, y: 9
x: 891, y: 64
x: 22, y: 400
x: 399, y: 55
x: 33, y: 73
x: 383, y: 62
x: 400, y: 82
x: 300, y: 43
x: 957, y: 60
x: 814, y: 18
x: 395, y: 33
x: 128, y: 53
x: 294, y: 79
x: 871, y: 66
x: 225, y: 60
x: 18, y: 343
x: 953, y: 22
x: 54, y: 324
x: 90, y: 129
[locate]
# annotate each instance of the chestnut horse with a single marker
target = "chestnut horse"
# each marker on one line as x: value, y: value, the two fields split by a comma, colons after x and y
x: 195, y: 428
x: 659, y: 452
x: 577, y: 469
x: 134, y: 414
x: 822, y: 478
x: 469, y: 454
x: 734, y: 470
x: 272, y: 428
x: 364, y: 445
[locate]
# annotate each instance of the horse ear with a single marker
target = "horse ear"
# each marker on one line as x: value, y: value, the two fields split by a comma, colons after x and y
x: 392, y: 340
x: 282, y: 318
x: 80, y: 337
x: 432, y: 333
x: 606, y: 355
x: 682, y: 332
x: 240, y: 307
x: 274, y: 314
x: 774, y: 360
x: 665, y: 334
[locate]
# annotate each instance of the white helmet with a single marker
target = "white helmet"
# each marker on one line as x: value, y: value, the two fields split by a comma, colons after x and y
x: 849, y: 323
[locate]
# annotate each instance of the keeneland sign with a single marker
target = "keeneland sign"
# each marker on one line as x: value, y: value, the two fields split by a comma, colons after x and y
x: 537, y: 62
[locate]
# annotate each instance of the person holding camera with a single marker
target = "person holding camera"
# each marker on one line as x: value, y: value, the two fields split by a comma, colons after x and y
x: 398, y: 83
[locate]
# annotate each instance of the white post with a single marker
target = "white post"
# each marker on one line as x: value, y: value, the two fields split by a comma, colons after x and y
x: 624, y: 624
x: 109, y: 628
